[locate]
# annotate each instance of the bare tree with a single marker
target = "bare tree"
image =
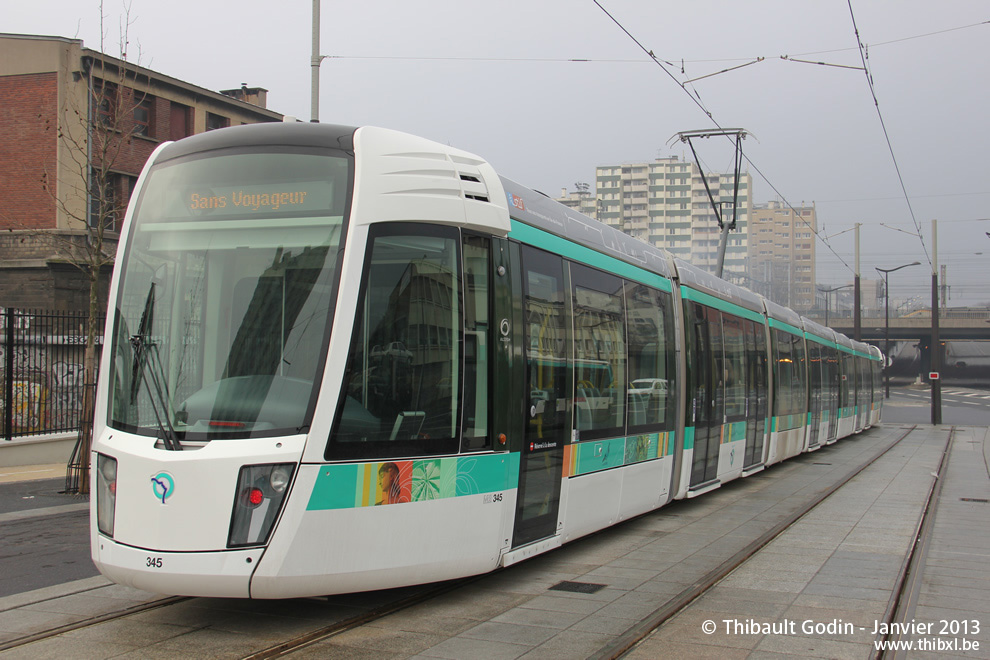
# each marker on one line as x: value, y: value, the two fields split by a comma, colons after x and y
x: 94, y: 130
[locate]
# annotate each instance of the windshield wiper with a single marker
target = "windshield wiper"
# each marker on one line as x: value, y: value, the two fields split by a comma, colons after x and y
x: 158, y: 390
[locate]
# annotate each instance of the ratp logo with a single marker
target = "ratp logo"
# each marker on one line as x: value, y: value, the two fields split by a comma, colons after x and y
x: 163, y: 485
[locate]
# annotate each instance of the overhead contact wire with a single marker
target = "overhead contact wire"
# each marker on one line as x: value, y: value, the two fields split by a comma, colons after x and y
x: 697, y: 101
x: 886, y: 135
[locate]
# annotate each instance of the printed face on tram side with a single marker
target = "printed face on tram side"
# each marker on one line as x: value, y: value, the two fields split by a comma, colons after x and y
x: 394, y: 483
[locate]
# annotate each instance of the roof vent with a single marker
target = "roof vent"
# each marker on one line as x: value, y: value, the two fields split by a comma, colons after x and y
x: 473, y: 185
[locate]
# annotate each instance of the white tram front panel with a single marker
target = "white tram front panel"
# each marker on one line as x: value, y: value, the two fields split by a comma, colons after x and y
x: 222, y: 303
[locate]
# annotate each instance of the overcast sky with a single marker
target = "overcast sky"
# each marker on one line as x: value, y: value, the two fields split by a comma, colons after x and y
x: 495, y: 78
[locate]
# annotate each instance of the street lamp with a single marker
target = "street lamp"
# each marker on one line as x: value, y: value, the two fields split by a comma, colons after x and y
x: 886, y: 323
x: 827, y: 297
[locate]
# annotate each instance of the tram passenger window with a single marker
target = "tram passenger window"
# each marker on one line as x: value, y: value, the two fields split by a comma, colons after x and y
x: 848, y: 384
x: 650, y: 359
x: 734, y: 367
x: 600, y: 351
x: 401, y: 384
x: 547, y: 351
x: 476, y: 349
x: 789, y: 386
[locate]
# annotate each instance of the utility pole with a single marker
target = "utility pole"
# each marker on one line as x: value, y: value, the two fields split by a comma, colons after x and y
x: 857, y: 314
x: 885, y: 273
x: 314, y: 62
x: 936, y: 357
x: 828, y: 293
x: 945, y: 288
x: 725, y: 226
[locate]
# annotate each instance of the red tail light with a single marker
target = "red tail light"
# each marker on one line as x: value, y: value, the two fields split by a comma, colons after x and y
x: 255, y: 496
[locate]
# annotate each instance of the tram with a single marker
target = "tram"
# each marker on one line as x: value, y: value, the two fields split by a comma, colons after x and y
x: 343, y: 359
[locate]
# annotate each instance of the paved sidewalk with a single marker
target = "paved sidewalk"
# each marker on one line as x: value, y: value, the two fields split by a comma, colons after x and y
x: 31, y: 472
x: 821, y: 589
x: 955, y: 573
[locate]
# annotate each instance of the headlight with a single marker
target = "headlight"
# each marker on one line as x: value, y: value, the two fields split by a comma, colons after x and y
x: 279, y: 478
x: 258, y: 499
x: 106, y: 493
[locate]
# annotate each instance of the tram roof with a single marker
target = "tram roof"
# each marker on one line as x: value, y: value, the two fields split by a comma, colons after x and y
x: 696, y: 278
x: 331, y: 136
x: 819, y: 330
x: 536, y: 209
x: 784, y: 314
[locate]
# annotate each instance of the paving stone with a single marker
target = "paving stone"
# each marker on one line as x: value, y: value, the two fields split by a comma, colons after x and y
x: 458, y: 648
x: 61, y: 648
x: 509, y: 633
x: 568, y: 644
x: 385, y: 641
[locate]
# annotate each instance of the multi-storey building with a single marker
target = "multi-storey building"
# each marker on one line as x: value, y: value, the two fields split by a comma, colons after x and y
x: 76, y: 127
x: 665, y: 203
x: 582, y: 200
x: 782, y: 253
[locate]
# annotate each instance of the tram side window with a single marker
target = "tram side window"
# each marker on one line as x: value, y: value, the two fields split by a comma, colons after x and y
x: 402, y: 379
x: 848, y: 381
x: 547, y: 349
x: 734, y: 367
x: 476, y: 349
x: 600, y: 351
x: 791, y: 395
x: 650, y: 363
x: 878, y: 375
x: 867, y: 380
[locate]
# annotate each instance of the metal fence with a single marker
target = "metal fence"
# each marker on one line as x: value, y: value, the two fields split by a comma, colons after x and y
x: 41, y: 371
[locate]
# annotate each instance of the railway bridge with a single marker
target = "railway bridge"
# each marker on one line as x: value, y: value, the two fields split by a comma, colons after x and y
x: 953, y: 325
x: 961, y: 359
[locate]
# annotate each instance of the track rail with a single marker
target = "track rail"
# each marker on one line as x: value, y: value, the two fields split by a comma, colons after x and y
x: 701, y: 586
x: 91, y: 621
x: 310, y: 638
x: 908, y: 587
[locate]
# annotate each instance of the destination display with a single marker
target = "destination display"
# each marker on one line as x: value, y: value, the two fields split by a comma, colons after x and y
x: 246, y: 200
x: 305, y: 197
x: 247, y: 187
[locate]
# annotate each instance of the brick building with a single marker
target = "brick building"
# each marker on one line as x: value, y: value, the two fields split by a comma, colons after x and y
x: 76, y: 127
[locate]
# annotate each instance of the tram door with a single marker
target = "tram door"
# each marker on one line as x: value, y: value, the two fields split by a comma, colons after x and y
x: 547, y: 393
x: 756, y: 365
x: 815, y: 380
x: 830, y: 361
x: 707, y: 386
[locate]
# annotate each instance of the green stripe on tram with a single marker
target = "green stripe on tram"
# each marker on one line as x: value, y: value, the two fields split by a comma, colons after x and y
x: 819, y: 339
x: 545, y: 240
x: 687, y: 293
x: 787, y: 327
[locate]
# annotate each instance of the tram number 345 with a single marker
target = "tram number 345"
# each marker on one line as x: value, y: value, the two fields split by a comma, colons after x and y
x: 492, y: 498
x: 153, y: 562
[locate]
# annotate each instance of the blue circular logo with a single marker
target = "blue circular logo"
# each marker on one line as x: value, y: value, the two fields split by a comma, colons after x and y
x: 163, y: 485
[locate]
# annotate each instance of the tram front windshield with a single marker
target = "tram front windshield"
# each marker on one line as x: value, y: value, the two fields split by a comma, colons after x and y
x: 222, y: 315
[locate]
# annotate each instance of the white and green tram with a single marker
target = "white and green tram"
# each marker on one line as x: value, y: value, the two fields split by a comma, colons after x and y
x: 342, y: 359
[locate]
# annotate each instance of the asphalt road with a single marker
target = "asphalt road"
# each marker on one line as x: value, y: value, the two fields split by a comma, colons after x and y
x: 44, y: 536
x: 960, y: 406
